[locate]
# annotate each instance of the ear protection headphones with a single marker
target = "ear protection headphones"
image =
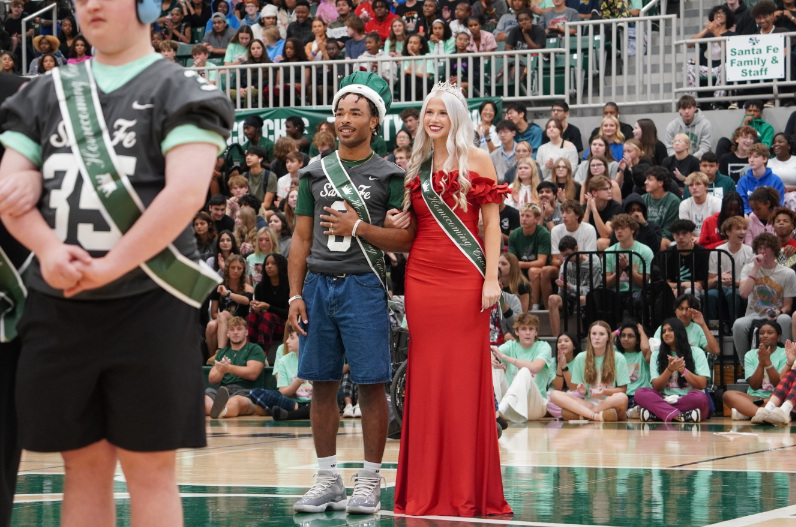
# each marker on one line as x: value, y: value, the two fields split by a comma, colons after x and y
x: 148, y: 11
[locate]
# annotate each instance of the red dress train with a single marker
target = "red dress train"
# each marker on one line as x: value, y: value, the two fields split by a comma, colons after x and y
x: 449, y: 462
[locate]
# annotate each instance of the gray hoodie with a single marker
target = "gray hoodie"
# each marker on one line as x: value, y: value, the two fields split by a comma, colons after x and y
x: 699, y: 131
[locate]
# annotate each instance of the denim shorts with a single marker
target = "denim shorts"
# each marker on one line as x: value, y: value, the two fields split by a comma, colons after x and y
x: 347, y: 318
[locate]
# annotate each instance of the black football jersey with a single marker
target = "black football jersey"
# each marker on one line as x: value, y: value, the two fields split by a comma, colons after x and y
x: 139, y: 116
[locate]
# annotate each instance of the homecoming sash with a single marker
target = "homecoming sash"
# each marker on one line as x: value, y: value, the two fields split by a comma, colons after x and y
x: 121, y: 205
x: 12, y: 296
x: 450, y: 223
x: 338, y: 176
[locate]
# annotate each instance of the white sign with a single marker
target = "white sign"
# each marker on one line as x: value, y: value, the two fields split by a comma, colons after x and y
x: 755, y: 57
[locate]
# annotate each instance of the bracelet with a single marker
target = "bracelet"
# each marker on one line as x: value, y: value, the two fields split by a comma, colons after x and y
x: 752, y: 277
x: 292, y: 298
x: 354, y: 230
x: 557, y: 375
x: 685, y: 372
x: 565, y: 368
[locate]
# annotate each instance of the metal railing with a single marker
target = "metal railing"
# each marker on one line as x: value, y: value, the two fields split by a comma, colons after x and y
x: 23, y: 42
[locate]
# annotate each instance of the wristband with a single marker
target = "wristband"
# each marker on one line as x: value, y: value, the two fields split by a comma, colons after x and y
x: 354, y: 230
x: 685, y: 372
x: 292, y: 298
x: 565, y: 368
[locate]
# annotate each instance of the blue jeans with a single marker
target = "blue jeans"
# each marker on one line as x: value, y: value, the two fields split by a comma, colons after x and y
x: 736, y: 307
x: 270, y: 398
x: 347, y: 318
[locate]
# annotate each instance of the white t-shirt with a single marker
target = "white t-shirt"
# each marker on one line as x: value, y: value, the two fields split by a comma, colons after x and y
x: 772, y: 287
x: 586, y: 236
x: 550, y: 151
x: 283, y: 185
x: 785, y: 170
x: 739, y: 260
x: 690, y: 210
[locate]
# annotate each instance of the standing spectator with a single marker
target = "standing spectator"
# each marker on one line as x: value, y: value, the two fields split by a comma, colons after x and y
x: 531, y: 245
x: 395, y: 42
x: 266, y: 244
x: 526, y: 131
x: 410, y: 12
x: 583, y: 273
x: 480, y: 41
x: 554, y: 19
x: 601, y: 209
x: 526, y: 34
x: 647, y: 133
x: 692, y: 123
x: 382, y: 19
x: 736, y: 162
x: 268, y: 310
x: 217, y: 39
x: 734, y: 229
x: 700, y: 205
x: 316, y: 50
x: 486, y: 131
x: 262, y: 183
x: 718, y: 184
x: 571, y: 133
x: 783, y: 164
x: 663, y: 207
x: 556, y: 147
x: 355, y: 45
x: 758, y: 175
x: 283, y: 231
x: 681, y: 163
x: 204, y: 230
x: 610, y: 109
x: 769, y: 289
x: 743, y: 21
x: 598, y: 146
x: 503, y: 157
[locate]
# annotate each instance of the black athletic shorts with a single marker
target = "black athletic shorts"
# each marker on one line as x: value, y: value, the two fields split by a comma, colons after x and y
x: 128, y: 370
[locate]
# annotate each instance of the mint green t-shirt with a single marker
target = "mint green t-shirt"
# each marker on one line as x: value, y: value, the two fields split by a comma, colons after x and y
x: 287, y: 370
x: 638, y: 371
x: 638, y: 248
x: 750, y: 361
x: 672, y: 388
x: 578, y: 370
x: 696, y: 336
x: 539, y: 350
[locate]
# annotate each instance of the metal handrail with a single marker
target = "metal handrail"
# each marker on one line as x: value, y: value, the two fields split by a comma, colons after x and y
x: 54, y: 9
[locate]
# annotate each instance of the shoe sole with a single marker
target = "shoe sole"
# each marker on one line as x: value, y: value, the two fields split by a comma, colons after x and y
x: 569, y: 415
x: 610, y: 416
x: 774, y: 422
x: 363, y: 510
x: 222, y: 397
x: 334, y: 505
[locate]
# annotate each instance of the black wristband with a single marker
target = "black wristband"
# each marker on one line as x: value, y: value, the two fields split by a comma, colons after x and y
x: 565, y: 368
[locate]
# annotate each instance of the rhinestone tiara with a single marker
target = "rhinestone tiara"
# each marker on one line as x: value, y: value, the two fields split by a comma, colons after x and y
x: 450, y: 88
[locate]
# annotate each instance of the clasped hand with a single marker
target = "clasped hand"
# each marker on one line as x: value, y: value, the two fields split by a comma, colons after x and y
x: 676, y: 364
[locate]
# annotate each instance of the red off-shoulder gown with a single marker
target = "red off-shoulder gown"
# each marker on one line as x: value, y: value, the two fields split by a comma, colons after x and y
x: 449, y: 463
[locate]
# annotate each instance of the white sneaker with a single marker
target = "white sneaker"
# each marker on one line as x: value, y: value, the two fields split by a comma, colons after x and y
x: 738, y: 416
x: 348, y: 411
x: 357, y: 411
x: 760, y: 416
x: 633, y: 413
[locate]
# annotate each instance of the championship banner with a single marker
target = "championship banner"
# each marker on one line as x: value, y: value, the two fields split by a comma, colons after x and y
x: 755, y: 57
x: 274, y: 119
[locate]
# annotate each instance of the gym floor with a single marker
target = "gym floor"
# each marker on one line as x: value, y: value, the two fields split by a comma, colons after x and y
x: 720, y: 473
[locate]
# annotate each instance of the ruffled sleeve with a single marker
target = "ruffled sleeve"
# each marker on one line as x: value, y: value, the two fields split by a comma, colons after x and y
x: 485, y: 190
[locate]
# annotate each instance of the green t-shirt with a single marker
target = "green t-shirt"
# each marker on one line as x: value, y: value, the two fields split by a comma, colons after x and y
x: 234, y: 51
x: 750, y: 361
x: 280, y: 352
x: 248, y: 352
x: 625, y: 279
x: 578, y: 370
x: 287, y: 370
x: 638, y: 371
x: 539, y: 350
x: 672, y: 388
x: 529, y: 248
x: 663, y: 211
x: 264, y: 143
x: 696, y: 335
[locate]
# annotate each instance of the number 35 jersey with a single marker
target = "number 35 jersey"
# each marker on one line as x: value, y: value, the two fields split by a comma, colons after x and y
x: 160, y: 107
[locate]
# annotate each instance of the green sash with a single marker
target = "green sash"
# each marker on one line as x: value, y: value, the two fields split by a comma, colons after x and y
x: 121, y: 205
x: 338, y: 176
x: 12, y: 296
x: 450, y: 223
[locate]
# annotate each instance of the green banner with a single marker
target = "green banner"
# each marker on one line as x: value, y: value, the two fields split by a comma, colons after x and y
x: 274, y: 119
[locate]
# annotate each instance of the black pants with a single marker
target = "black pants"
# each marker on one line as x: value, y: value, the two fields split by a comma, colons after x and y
x: 9, y: 444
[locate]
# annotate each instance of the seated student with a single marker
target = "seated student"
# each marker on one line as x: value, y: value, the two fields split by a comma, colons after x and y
x: 402, y: 155
x: 509, y: 220
x: 268, y: 309
x: 554, y: 149
x: 282, y: 147
x: 168, y: 48
x: 200, y: 56
x: 633, y: 168
x: 601, y: 209
x: 501, y: 317
x: 758, y: 175
x: 763, y: 371
x: 237, y: 364
x: 551, y: 207
x: 523, y: 188
x: 777, y: 410
x: 734, y: 228
x: 246, y: 230
x: 598, y: 147
x: 598, y: 166
x: 560, y: 110
x: 526, y: 130
x: 514, y: 281
x: 784, y: 224
x: 567, y: 348
x: 678, y: 369
x: 531, y: 245
x: 631, y: 274
x: 632, y: 342
x: 217, y: 207
x: 718, y: 183
x: 247, y: 200
x: 700, y: 205
x: 383, y: 69
x: 686, y: 263
x: 769, y: 288
x: 283, y: 230
x: 681, y: 163
x: 503, y: 157
x: 601, y: 378
x: 649, y: 233
x: 693, y: 122
x: 735, y: 163
x: 521, y: 372
x: 711, y: 235
x: 783, y: 164
x: 582, y: 275
x: 231, y: 298
x: 663, y: 207
x: 293, y: 162
x: 565, y: 185
x: 255, y: 262
x: 262, y: 183
x: 763, y: 202
x: 687, y: 310
x: 291, y: 399
x: 324, y: 142
x: 753, y: 116
x: 238, y: 187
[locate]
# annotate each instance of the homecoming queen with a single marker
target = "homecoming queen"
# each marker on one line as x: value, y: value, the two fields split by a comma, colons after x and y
x: 449, y: 462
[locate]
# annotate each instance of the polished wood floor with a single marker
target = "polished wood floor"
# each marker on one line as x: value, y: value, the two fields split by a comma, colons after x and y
x: 719, y: 473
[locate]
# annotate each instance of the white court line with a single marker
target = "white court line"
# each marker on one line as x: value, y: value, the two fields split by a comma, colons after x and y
x: 538, y: 465
x: 775, y: 514
x: 126, y: 496
x: 492, y: 521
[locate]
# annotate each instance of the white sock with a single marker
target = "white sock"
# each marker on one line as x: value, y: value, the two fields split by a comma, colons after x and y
x: 535, y: 307
x: 373, y: 467
x: 503, y: 407
x: 771, y: 406
x: 787, y: 406
x: 328, y: 463
x: 223, y: 412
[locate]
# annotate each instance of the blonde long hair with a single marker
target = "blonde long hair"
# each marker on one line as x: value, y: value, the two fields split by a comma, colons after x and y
x: 569, y: 186
x: 609, y: 367
x: 248, y: 232
x: 458, y: 145
x: 516, y: 185
x: 619, y: 137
